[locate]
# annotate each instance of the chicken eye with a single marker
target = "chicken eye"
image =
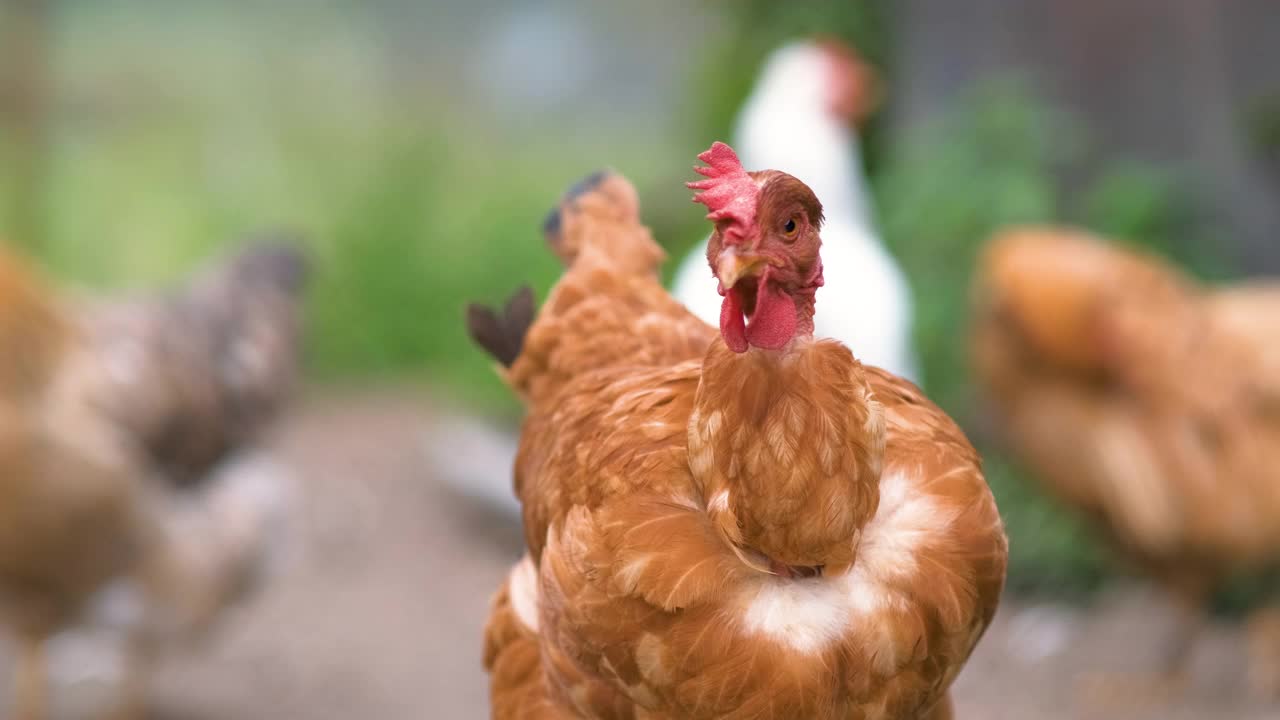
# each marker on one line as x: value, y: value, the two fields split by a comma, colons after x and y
x: 790, y: 227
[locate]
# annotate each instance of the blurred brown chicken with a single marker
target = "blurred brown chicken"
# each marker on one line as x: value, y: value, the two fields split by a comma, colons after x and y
x: 111, y: 421
x: 1143, y: 400
x: 72, y: 515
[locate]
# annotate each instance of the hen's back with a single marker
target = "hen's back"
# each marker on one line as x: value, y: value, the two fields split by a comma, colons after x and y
x: 607, y: 310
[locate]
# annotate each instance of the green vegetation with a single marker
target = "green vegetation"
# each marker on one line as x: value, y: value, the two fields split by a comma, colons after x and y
x: 411, y: 207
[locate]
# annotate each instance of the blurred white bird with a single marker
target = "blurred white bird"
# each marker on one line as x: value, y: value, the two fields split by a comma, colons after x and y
x: 801, y: 119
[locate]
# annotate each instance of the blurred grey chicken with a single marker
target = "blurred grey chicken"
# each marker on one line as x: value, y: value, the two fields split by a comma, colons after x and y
x: 135, y: 505
x: 202, y: 370
x: 197, y: 375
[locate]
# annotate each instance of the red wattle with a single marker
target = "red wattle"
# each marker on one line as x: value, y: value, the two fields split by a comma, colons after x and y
x: 732, y: 327
x: 774, y: 322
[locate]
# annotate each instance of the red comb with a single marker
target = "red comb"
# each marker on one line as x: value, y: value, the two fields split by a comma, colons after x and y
x: 728, y: 192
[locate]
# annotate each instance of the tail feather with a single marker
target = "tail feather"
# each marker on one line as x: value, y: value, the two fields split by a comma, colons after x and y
x: 502, y: 335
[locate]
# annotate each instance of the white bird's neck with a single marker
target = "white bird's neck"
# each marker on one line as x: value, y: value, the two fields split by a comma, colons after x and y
x: 785, y: 125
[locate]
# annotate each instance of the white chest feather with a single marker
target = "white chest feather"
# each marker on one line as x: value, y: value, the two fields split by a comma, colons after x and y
x: 808, y: 615
x: 522, y: 585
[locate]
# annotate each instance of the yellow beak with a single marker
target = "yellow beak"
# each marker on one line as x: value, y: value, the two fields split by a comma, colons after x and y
x: 732, y: 267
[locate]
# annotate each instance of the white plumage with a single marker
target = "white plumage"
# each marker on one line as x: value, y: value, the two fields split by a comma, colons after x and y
x: 789, y: 123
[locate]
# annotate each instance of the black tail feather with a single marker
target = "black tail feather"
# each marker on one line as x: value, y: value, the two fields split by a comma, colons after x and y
x: 502, y: 336
x: 519, y: 311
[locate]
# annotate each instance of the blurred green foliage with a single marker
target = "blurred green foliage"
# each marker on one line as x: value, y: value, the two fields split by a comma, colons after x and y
x: 1262, y: 126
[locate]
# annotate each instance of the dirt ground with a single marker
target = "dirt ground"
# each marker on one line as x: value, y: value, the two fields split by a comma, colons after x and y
x: 379, y: 609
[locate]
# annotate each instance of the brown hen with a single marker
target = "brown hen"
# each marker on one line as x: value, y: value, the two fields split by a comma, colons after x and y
x: 71, y: 514
x: 749, y: 525
x: 1141, y: 399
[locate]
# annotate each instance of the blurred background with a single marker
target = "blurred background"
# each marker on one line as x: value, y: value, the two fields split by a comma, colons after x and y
x: 417, y: 147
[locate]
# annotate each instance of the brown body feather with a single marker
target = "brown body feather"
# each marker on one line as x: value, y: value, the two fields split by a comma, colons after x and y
x: 66, y: 484
x: 656, y: 490
x: 513, y: 657
x: 640, y: 593
x: 70, y: 520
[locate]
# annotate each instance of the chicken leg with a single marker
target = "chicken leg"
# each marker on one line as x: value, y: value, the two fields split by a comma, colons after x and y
x: 132, y: 699
x: 31, y: 680
x: 1263, y: 631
